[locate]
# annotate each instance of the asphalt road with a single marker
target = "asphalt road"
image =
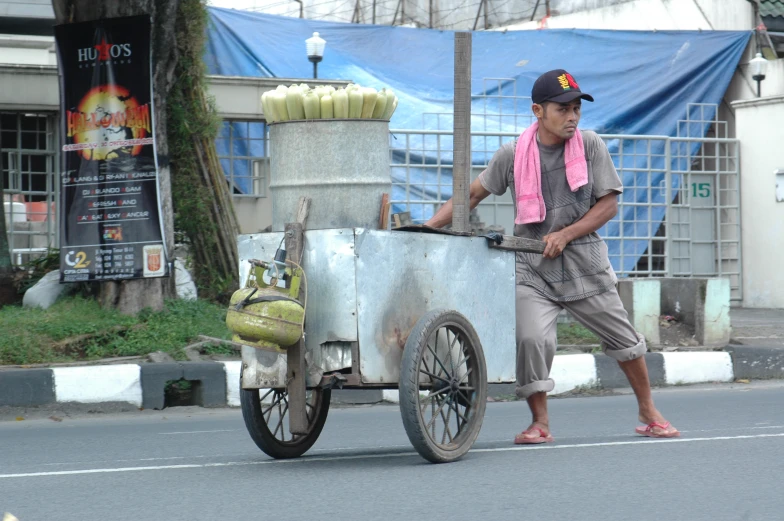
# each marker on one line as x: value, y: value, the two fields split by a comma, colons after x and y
x: 187, y: 464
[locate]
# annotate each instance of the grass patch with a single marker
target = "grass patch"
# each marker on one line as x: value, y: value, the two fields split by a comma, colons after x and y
x: 219, y: 349
x: 575, y: 334
x: 77, y: 328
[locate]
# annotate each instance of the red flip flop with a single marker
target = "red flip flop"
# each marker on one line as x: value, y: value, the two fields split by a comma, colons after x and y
x: 543, y: 437
x: 648, y: 430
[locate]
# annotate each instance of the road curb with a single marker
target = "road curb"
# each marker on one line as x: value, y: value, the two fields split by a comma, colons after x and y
x: 757, y: 363
x: 610, y: 376
x: 216, y: 384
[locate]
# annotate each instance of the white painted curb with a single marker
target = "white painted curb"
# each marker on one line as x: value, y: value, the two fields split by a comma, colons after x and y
x: 233, y: 370
x: 232, y: 383
x: 569, y: 373
x: 573, y: 371
x: 95, y: 384
x: 390, y: 395
x: 393, y: 395
x: 122, y: 383
x: 694, y: 368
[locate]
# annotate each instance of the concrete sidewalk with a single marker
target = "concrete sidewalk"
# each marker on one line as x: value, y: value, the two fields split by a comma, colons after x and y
x: 756, y: 352
x: 757, y: 343
x: 757, y: 327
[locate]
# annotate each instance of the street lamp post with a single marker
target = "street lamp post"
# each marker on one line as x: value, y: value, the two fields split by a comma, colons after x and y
x: 759, y: 67
x: 315, y: 47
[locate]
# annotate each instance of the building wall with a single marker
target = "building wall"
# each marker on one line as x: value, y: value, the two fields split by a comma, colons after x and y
x: 759, y: 128
x: 253, y: 214
x: 743, y: 87
x: 649, y: 15
x: 27, y: 9
x: 27, y: 50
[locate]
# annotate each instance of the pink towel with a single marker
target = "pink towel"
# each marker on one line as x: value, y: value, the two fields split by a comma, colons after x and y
x: 528, y: 174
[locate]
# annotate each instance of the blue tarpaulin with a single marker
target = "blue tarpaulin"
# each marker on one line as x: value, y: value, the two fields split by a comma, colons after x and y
x: 642, y: 81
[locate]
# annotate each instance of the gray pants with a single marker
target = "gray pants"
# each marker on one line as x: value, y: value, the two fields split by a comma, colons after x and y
x: 537, y: 318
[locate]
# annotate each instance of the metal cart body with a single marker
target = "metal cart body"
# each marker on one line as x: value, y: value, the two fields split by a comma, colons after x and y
x: 366, y: 290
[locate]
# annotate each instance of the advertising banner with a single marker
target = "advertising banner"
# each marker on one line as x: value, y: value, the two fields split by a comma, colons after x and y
x: 110, y: 210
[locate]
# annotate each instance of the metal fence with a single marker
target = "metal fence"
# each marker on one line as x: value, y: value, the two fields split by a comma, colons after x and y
x: 679, y: 214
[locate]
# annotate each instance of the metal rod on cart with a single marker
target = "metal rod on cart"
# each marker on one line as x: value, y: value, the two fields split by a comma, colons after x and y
x: 295, y: 359
x: 462, y: 133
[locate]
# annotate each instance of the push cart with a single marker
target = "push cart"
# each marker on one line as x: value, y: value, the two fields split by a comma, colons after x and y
x: 427, y: 317
x: 399, y: 311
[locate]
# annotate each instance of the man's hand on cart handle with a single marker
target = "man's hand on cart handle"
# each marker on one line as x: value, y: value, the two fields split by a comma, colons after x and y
x: 606, y: 208
x: 555, y: 243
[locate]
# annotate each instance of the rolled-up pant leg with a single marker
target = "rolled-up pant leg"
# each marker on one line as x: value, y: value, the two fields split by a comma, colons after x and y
x: 605, y: 316
x: 537, y: 317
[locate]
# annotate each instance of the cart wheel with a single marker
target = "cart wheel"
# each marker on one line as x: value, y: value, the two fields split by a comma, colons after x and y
x: 443, y: 358
x: 268, y: 426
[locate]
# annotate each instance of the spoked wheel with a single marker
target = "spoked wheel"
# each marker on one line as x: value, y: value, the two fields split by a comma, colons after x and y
x: 443, y: 386
x: 266, y: 418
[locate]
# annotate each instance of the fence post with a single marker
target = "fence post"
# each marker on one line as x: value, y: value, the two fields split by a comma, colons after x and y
x: 668, y: 205
x: 462, y: 133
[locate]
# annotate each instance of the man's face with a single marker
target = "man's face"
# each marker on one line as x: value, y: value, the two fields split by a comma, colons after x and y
x: 560, y: 119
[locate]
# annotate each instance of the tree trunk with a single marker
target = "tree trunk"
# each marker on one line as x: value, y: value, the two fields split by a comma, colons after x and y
x: 202, y: 200
x: 132, y: 296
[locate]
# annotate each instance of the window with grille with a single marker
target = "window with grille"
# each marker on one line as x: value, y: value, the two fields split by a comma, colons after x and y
x: 244, y: 155
x: 28, y: 161
x: 27, y: 153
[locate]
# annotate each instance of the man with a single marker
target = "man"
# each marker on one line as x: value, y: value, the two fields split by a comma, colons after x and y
x: 564, y: 188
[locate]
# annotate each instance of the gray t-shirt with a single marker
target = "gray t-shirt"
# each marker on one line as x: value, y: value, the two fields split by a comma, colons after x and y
x: 584, y: 267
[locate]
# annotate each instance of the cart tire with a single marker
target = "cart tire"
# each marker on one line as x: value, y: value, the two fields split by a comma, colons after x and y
x: 443, y: 356
x: 259, y: 417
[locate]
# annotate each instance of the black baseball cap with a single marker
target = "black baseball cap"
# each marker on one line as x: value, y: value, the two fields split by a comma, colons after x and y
x: 558, y: 86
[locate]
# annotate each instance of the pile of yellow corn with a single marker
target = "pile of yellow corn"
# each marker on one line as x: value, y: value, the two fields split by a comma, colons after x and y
x: 300, y: 102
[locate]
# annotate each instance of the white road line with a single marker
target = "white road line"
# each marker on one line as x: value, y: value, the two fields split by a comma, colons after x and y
x: 121, y: 469
x: 200, y: 432
x: 626, y: 434
x: 168, y: 458
x: 386, y: 447
x: 318, y: 459
x: 737, y: 428
x: 647, y: 441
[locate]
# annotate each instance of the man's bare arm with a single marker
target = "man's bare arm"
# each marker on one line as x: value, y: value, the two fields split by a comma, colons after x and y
x: 443, y: 216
